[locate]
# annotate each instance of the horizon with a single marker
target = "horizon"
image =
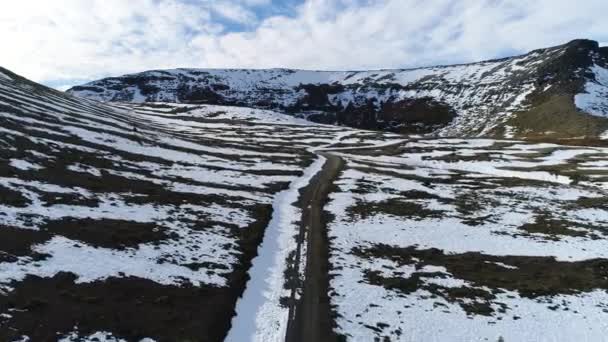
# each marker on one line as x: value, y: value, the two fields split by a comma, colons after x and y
x: 62, y: 44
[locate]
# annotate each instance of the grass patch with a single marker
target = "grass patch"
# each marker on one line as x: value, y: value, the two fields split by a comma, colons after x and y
x: 488, y: 275
x: 393, y: 207
x: 107, y: 233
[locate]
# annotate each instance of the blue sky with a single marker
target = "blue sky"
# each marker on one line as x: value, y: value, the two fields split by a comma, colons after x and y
x: 66, y: 42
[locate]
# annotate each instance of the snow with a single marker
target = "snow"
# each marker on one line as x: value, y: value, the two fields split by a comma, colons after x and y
x: 261, y: 299
x: 367, y: 312
x: 595, y: 164
x: 4, y: 76
x: 420, y: 318
x: 509, y: 132
x: 371, y: 146
x: 239, y: 158
x: 24, y: 165
x: 450, y: 234
x: 173, y: 155
x: 453, y: 236
x: 236, y: 162
x: 518, y: 100
x: 240, y: 113
x: 193, y: 246
x: 503, y: 166
x: 84, y: 169
x: 511, y: 267
x: 101, y: 263
x: 259, y: 314
x: 100, y: 336
x: 484, y: 94
x: 593, y: 100
x: 137, y: 96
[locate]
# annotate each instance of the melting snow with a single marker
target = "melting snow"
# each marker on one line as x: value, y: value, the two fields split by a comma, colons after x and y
x: 369, y: 311
x: 24, y: 165
x: 593, y: 100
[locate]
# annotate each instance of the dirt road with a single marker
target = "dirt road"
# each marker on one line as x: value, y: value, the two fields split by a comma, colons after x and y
x: 310, y: 317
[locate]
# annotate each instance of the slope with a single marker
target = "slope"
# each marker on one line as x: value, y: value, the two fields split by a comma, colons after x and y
x: 117, y: 222
x: 529, y: 95
x: 167, y: 222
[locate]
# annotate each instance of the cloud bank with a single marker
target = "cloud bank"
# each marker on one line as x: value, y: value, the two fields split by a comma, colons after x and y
x: 63, y: 42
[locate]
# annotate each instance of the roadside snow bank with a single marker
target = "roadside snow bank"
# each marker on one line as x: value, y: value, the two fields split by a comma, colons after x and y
x: 259, y: 313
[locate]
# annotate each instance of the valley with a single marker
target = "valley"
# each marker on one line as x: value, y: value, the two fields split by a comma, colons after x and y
x: 158, y: 215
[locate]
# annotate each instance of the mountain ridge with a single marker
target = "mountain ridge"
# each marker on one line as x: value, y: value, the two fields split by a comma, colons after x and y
x: 506, y: 97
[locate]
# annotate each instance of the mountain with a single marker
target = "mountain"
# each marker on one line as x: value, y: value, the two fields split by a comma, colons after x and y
x: 558, y: 92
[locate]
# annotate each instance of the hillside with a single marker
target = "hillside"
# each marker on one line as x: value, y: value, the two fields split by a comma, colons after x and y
x: 121, y: 221
x: 188, y: 222
x: 556, y: 92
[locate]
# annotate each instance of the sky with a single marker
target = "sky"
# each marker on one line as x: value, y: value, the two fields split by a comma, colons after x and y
x: 66, y: 42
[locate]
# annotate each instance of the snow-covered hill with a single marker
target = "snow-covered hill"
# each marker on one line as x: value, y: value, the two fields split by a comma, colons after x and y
x: 134, y: 221
x: 532, y: 94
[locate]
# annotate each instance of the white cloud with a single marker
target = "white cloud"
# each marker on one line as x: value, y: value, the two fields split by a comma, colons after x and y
x: 73, y: 39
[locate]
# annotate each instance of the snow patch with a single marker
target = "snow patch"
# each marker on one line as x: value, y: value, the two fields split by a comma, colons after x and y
x: 24, y: 165
x: 595, y: 98
x: 100, y: 336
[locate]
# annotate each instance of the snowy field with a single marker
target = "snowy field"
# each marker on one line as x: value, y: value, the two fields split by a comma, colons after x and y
x: 471, y: 240
x: 135, y: 213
